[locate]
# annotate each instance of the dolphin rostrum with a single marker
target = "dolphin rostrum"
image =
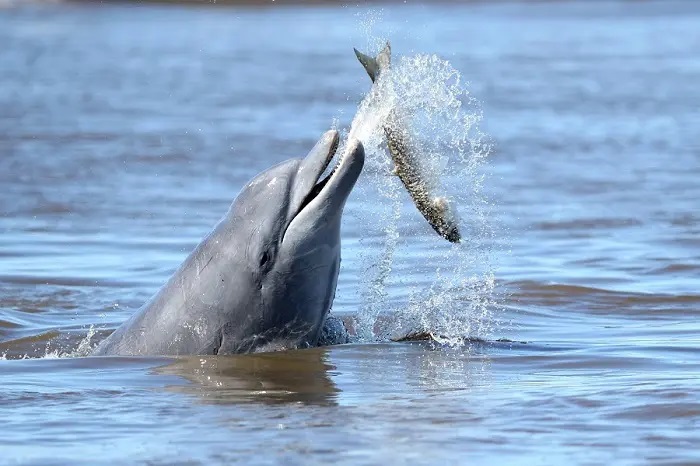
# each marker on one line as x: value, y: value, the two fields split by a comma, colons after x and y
x: 436, y: 210
x: 265, y: 278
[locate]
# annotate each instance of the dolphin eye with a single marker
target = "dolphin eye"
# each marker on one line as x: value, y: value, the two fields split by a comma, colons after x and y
x: 265, y: 258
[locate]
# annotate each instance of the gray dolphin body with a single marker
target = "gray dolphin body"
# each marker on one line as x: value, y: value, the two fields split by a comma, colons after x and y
x: 264, y: 279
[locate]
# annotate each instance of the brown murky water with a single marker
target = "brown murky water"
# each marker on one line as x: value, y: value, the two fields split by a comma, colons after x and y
x: 125, y: 133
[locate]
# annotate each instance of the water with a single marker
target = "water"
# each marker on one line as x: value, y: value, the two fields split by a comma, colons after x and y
x: 421, y: 99
x: 125, y: 133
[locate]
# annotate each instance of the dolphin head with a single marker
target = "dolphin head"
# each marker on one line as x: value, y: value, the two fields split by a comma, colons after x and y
x: 287, y: 224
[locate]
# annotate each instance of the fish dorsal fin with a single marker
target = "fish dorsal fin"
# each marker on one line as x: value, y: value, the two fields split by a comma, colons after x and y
x: 374, y: 66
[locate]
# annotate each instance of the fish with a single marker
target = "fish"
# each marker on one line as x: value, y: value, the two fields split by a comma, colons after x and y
x: 437, y: 210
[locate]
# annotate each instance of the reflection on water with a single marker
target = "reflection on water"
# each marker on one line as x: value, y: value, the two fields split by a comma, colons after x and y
x: 284, y: 377
x: 307, y: 376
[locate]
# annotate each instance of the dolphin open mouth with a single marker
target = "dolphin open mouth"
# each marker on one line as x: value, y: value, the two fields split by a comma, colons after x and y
x: 318, y: 198
x: 333, y: 189
x: 318, y: 187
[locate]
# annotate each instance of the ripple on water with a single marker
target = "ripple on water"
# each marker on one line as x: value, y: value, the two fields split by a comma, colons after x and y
x: 111, y: 171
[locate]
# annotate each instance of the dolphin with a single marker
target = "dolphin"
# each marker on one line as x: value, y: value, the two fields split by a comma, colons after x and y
x: 265, y: 277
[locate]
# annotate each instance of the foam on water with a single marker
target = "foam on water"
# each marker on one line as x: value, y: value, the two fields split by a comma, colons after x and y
x: 443, y: 119
x: 84, y: 347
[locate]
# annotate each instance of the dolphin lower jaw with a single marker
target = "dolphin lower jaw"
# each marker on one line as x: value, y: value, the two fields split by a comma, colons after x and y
x: 342, y: 179
x: 324, y: 204
x: 310, y: 170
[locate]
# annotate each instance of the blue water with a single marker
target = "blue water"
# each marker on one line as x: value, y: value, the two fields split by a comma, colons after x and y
x: 126, y: 131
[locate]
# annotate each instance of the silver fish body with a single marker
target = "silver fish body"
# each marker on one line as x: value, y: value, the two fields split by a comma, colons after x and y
x: 436, y: 210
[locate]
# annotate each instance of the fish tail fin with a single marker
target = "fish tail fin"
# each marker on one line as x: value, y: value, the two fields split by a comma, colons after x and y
x: 370, y: 64
x: 374, y: 66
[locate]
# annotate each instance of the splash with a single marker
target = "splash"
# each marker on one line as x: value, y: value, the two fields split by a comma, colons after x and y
x: 84, y: 347
x: 456, y: 295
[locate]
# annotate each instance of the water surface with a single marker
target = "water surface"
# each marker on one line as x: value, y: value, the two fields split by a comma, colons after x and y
x: 126, y: 132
